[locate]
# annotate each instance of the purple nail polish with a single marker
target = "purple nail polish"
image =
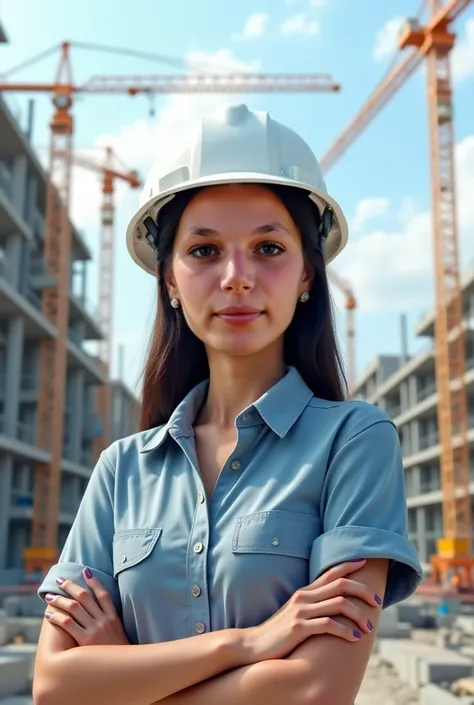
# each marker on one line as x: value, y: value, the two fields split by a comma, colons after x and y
x: 377, y: 599
x: 48, y: 615
x: 370, y: 625
x: 48, y: 597
x: 357, y: 633
x: 88, y: 573
x: 59, y: 581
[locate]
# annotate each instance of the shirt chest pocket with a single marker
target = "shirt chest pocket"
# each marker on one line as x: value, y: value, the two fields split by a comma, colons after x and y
x: 277, y: 532
x: 132, y: 548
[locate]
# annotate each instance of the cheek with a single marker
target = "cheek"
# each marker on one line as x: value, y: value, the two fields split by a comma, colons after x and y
x: 192, y: 281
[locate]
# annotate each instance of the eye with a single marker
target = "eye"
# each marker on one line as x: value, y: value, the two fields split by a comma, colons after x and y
x: 271, y: 249
x: 202, y: 251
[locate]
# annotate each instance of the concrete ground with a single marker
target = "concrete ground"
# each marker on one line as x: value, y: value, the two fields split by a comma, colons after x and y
x: 381, y: 686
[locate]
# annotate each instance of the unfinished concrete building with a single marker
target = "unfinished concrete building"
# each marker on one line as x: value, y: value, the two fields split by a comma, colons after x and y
x: 22, y: 326
x: 405, y: 388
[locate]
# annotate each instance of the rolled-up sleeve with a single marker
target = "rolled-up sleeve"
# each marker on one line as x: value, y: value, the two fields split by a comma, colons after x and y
x: 89, y: 543
x: 364, y: 512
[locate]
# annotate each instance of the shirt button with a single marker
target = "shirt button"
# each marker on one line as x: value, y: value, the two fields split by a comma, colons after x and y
x: 196, y: 590
x: 275, y: 541
x: 200, y: 627
x: 124, y: 559
x: 201, y: 497
x: 244, y: 416
x: 197, y: 547
x: 235, y: 465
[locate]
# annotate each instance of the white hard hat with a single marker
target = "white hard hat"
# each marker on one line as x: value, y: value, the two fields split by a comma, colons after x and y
x: 234, y: 145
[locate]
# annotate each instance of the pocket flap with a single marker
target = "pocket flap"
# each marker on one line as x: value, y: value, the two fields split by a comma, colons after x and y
x: 131, y: 546
x: 277, y: 531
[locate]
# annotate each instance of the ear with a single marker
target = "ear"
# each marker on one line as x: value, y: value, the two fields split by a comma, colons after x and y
x: 308, y: 276
x: 171, y: 285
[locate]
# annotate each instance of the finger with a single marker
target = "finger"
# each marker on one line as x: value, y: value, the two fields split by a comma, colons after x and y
x: 327, y: 625
x: 65, y: 622
x: 102, y: 595
x: 81, y: 595
x: 340, y: 571
x: 338, y: 605
x: 345, y: 587
x: 71, y: 607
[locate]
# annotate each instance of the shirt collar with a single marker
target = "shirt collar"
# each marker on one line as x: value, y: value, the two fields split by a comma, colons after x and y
x: 280, y: 407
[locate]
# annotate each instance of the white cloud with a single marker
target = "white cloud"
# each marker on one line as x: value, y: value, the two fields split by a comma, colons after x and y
x: 299, y: 25
x: 255, y: 26
x: 393, y: 269
x: 462, y: 59
x: 386, y: 38
x: 367, y: 209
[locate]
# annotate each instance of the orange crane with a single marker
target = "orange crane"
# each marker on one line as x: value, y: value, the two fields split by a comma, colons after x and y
x: 42, y: 552
x: 350, y: 305
x: 433, y: 41
x: 109, y: 174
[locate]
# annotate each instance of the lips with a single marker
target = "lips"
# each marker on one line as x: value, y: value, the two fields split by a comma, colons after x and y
x: 239, y: 314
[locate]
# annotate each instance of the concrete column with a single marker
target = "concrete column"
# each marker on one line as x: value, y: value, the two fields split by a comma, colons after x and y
x: 414, y: 436
x: 6, y: 471
x: 13, y: 252
x: 19, y: 179
x: 412, y: 390
x: 421, y: 533
x: 84, y: 282
x: 76, y: 409
x: 404, y: 400
x: 31, y: 201
x: 14, y: 357
x: 416, y: 480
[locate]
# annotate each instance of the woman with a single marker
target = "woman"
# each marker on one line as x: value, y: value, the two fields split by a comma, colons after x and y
x: 240, y: 547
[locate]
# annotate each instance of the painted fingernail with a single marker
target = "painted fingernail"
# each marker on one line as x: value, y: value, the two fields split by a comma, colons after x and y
x: 377, y: 599
x: 88, y: 573
x: 370, y: 625
x: 60, y: 581
x: 356, y: 633
x: 48, y: 615
x: 49, y: 597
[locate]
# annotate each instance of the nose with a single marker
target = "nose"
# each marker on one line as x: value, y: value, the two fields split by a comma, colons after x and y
x: 237, y: 276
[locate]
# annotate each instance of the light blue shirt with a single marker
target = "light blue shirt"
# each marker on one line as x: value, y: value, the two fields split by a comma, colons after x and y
x: 311, y: 483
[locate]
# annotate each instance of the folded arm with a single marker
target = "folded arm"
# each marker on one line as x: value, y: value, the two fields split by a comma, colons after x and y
x: 311, y: 675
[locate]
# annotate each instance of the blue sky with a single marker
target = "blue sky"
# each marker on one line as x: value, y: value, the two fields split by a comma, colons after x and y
x: 383, y: 181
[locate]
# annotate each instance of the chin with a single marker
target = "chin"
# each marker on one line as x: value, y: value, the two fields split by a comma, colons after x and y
x: 238, y: 345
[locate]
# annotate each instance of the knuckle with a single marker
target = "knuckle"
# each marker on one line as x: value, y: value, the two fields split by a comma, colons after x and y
x: 298, y: 597
x: 82, y: 594
x: 67, y: 620
x: 326, y: 622
x: 341, y: 601
x: 73, y: 606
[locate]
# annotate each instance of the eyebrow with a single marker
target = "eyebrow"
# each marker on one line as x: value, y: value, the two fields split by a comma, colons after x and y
x: 260, y: 230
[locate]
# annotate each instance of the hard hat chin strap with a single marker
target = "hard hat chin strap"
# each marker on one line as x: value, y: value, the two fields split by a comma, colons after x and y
x: 325, y: 225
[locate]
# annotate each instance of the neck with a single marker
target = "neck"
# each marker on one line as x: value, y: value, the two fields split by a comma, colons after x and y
x: 236, y: 382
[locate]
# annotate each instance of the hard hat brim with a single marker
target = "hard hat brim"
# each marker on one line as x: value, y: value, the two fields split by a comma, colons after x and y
x: 143, y: 254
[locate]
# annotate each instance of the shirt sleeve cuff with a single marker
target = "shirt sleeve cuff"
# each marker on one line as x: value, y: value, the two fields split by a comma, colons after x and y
x: 73, y: 571
x: 348, y: 542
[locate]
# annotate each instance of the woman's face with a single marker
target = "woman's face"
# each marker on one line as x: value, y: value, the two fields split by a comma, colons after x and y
x: 237, y: 268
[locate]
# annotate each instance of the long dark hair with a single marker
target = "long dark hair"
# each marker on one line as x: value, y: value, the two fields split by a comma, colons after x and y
x: 176, y: 359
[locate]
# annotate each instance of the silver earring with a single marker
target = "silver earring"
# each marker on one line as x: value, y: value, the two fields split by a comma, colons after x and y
x: 174, y: 303
x: 304, y: 297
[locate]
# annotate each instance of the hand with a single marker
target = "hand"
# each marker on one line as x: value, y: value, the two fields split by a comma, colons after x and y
x: 87, y: 621
x: 310, y: 612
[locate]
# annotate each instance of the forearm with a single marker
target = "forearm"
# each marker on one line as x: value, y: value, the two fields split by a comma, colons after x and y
x: 278, y: 682
x: 142, y: 674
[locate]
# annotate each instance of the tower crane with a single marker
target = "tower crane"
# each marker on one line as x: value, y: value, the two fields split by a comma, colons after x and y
x: 109, y: 174
x: 42, y: 552
x: 433, y: 42
x: 350, y: 306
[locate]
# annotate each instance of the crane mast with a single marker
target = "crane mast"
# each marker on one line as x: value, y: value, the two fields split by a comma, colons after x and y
x: 53, y: 353
x: 453, y: 551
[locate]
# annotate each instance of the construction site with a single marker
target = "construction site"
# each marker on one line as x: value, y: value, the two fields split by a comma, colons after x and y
x: 60, y: 404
